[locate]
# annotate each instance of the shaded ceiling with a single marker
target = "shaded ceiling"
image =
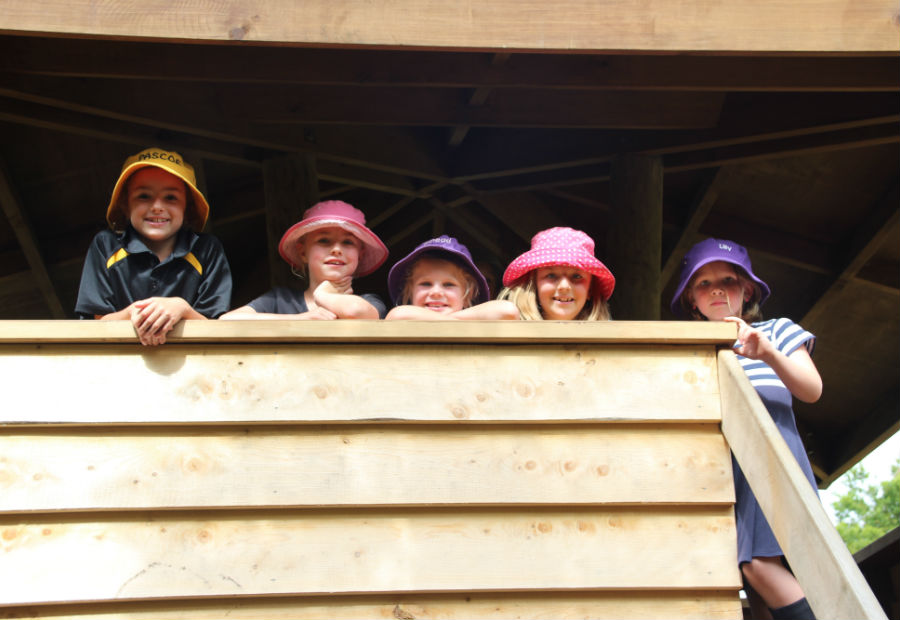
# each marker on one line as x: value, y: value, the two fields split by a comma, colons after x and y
x: 795, y: 157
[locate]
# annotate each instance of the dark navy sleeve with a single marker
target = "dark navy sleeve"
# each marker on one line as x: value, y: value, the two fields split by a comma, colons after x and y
x: 376, y: 301
x: 96, y: 296
x: 214, y: 294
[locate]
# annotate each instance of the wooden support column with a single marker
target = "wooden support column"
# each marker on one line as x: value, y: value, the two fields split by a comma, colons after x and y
x: 18, y: 221
x: 634, y: 239
x: 291, y: 187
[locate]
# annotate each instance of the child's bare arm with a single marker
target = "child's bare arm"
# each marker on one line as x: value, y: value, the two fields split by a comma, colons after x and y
x: 495, y: 310
x: 338, y: 297
x: 797, y: 371
x: 488, y: 311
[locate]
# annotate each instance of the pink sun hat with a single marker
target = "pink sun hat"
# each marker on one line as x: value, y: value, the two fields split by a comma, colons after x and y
x: 340, y: 214
x: 563, y: 246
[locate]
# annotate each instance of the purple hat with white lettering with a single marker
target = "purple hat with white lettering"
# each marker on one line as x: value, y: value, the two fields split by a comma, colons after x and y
x: 709, y: 251
x: 443, y: 247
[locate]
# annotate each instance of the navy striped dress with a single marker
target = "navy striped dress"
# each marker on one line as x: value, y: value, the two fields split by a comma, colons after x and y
x: 755, y: 537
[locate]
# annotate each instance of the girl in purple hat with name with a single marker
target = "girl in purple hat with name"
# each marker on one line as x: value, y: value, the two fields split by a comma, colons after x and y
x: 559, y: 279
x: 438, y: 281
x: 718, y: 284
x: 329, y: 247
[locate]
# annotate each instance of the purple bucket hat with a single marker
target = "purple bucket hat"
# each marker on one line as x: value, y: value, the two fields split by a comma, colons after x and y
x: 459, y: 254
x: 709, y: 251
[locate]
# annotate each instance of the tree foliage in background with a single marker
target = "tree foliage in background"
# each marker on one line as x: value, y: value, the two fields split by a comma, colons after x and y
x: 865, y: 513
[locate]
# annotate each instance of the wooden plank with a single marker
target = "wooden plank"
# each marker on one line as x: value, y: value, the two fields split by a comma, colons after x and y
x: 127, y: 60
x: 111, y: 470
x: 820, y: 560
x: 636, y: 221
x: 279, y: 552
x: 660, y: 25
x: 290, y: 383
x: 511, y: 332
x: 645, y: 605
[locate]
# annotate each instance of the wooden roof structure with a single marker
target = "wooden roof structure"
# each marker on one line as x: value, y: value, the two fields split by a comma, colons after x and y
x: 774, y: 124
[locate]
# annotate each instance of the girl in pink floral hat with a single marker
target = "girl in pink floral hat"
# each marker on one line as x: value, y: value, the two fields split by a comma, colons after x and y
x: 329, y: 247
x: 559, y: 279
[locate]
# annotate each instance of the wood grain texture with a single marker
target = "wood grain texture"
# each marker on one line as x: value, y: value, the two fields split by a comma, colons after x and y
x: 511, y: 332
x: 357, y: 383
x: 660, y: 25
x: 283, y: 552
x: 630, y: 464
x: 820, y: 560
x: 642, y: 605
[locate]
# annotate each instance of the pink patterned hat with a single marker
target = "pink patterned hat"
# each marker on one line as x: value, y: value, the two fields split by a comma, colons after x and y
x: 340, y: 214
x: 563, y: 246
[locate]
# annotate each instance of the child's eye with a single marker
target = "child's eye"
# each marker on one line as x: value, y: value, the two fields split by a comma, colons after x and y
x: 450, y: 284
x: 577, y: 276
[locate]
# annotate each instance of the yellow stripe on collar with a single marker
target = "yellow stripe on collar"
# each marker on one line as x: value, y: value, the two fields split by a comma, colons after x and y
x: 189, y: 257
x: 115, y: 258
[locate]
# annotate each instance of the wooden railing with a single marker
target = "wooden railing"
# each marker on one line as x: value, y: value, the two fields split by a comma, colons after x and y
x: 407, y: 470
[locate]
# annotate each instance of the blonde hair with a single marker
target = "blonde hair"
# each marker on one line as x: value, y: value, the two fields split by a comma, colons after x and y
x: 750, y: 309
x: 463, y: 275
x: 523, y: 293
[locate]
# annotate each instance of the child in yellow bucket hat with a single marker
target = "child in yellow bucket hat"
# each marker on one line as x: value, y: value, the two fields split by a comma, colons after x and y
x: 153, y: 266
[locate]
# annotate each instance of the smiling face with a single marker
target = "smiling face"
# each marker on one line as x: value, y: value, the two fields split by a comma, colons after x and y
x: 156, y: 201
x: 562, y: 291
x: 717, y: 291
x: 331, y: 254
x: 438, y: 285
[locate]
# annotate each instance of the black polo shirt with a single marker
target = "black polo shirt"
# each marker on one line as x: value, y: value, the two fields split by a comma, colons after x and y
x: 120, y: 269
x: 282, y: 300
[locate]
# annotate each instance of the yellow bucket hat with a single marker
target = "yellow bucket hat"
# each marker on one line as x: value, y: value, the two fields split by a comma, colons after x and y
x: 171, y: 162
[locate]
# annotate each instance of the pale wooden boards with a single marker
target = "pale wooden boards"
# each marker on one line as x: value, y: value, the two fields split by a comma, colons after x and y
x: 368, y: 479
x: 653, y: 25
x: 339, y: 466
x: 186, y: 384
x: 823, y: 565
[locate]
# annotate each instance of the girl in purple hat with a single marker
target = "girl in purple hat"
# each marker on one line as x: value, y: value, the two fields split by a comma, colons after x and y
x: 329, y: 247
x: 438, y: 281
x: 718, y: 284
x: 559, y: 279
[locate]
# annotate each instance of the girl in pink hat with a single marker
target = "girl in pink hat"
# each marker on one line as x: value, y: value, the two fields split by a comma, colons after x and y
x: 559, y: 279
x: 329, y: 247
x: 717, y: 283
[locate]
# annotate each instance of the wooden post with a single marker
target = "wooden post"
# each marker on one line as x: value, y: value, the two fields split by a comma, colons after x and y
x: 291, y: 187
x: 634, y: 240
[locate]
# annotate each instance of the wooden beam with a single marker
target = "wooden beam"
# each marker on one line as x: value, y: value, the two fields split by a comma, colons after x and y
x: 291, y: 186
x: 863, y: 435
x: 18, y: 221
x: 473, y: 227
x: 660, y: 25
x: 523, y: 213
x: 409, y: 332
x: 634, y: 239
x: 819, y: 558
x: 479, y: 96
x: 861, y: 246
x: 701, y: 205
x: 128, y: 60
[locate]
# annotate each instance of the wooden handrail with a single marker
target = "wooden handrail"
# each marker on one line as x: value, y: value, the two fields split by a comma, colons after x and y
x: 819, y: 558
x: 495, y: 332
